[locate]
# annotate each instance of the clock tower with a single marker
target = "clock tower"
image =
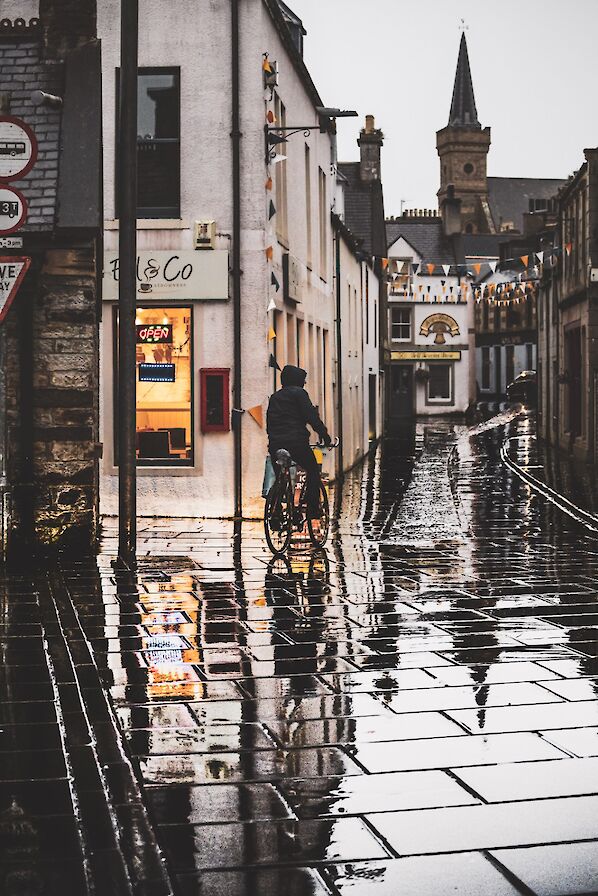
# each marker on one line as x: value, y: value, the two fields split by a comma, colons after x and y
x: 463, y: 149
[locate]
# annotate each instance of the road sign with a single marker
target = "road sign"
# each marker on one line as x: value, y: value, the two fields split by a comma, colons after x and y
x: 11, y: 242
x: 18, y: 148
x: 13, y: 209
x: 12, y: 271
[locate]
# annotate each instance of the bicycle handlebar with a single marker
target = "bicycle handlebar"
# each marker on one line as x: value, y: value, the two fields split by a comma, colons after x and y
x: 335, y: 443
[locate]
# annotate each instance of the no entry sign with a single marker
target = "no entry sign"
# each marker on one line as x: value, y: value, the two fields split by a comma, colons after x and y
x: 12, y: 271
x: 18, y: 148
x: 13, y: 209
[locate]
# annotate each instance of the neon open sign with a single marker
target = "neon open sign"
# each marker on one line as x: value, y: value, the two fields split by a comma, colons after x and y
x: 154, y: 334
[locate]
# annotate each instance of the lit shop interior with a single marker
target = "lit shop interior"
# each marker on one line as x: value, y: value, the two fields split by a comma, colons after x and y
x: 164, y: 390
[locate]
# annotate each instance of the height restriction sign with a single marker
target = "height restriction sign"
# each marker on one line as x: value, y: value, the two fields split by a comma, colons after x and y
x: 18, y: 148
x: 12, y: 271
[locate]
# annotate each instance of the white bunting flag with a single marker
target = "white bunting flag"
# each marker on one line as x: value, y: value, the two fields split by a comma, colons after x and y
x: 446, y: 268
x: 271, y: 305
x: 540, y: 256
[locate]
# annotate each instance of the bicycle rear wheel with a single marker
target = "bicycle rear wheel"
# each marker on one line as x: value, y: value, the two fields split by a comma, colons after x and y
x: 278, y: 516
x: 319, y: 532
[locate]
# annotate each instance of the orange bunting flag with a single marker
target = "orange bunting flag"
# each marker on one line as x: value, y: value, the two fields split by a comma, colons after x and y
x: 384, y: 263
x: 269, y: 252
x: 271, y: 334
x: 420, y: 286
x: 269, y: 183
x: 568, y: 248
x: 266, y: 66
x: 430, y: 268
x: 525, y: 259
x: 258, y: 415
x: 271, y: 116
x: 477, y: 268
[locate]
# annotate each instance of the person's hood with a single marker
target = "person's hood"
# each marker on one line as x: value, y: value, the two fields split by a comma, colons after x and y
x: 293, y: 376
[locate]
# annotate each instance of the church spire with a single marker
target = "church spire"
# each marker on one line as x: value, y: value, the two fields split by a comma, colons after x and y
x: 463, y: 110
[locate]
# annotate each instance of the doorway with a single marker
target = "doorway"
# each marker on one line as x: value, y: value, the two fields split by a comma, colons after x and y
x: 401, y: 402
x: 574, y: 369
x: 372, y: 406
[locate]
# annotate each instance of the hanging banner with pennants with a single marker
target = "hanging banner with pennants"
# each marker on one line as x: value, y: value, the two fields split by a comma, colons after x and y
x: 12, y: 272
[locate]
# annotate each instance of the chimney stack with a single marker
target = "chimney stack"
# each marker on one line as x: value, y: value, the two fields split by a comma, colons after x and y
x: 450, y: 210
x: 370, y: 143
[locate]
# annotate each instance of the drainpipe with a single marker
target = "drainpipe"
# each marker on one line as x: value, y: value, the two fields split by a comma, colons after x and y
x: 127, y: 252
x: 339, y: 355
x: 236, y: 259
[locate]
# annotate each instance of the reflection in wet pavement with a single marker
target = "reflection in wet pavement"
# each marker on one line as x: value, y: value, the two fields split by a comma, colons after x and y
x: 412, y: 712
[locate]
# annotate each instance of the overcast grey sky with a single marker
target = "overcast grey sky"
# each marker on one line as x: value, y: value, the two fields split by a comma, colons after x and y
x: 534, y: 65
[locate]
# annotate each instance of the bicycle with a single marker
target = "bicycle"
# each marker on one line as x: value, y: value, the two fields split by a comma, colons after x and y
x: 286, y: 506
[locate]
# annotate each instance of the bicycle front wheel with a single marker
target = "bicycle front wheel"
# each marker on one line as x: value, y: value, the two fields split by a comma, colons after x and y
x: 278, y: 516
x: 319, y: 532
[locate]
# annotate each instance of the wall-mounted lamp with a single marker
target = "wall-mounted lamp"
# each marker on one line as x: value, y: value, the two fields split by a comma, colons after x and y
x: 39, y: 98
x: 275, y: 135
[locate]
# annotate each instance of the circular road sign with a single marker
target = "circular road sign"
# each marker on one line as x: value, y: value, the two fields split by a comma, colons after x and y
x: 18, y: 148
x: 13, y: 209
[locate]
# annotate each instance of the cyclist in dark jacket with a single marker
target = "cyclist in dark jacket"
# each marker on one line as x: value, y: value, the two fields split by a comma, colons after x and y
x: 289, y: 412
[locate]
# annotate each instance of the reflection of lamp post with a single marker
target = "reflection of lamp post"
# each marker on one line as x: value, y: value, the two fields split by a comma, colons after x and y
x: 275, y: 135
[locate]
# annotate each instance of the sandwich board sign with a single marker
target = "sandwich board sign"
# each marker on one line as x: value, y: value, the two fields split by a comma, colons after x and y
x: 18, y: 148
x: 12, y: 272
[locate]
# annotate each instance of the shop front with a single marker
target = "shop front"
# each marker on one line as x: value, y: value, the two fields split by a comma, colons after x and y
x: 182, y: 402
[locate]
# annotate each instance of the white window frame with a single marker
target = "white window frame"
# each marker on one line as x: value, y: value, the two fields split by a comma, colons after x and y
x: 451, y: 396
x: 402, y: 310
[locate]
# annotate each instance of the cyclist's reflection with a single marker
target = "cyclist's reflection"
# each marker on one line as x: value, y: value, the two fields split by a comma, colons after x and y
x: 296, y: 588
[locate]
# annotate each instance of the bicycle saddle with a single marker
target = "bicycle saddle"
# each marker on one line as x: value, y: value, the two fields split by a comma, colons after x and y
x: 283, y: 458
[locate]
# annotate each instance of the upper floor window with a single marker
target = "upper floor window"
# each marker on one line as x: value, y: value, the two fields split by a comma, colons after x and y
x: 400, y: 324
x: 158, y: 143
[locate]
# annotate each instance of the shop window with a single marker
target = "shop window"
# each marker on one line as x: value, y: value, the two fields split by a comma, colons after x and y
x: 164, y: 418
x: 158, y: 143
x: 440, y: 384
x: 215, y: 412
x: 400, y: 324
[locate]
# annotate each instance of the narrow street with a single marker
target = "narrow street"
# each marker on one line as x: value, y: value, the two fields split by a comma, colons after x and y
x: 413, y: 712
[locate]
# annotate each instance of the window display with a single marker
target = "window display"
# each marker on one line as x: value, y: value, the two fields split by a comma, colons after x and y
x: 164, y: 419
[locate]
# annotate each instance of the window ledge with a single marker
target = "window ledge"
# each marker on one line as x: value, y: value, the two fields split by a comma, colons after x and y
x: 152, y: 224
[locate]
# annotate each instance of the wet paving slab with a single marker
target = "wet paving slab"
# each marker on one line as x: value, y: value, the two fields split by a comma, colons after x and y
x: 412, y: 711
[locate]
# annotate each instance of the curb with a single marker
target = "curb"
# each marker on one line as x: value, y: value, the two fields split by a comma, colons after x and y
x: 572, y: 510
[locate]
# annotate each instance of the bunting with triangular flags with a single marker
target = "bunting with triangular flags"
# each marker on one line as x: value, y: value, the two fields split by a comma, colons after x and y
x: 274, y: 282
x: 271, y: 210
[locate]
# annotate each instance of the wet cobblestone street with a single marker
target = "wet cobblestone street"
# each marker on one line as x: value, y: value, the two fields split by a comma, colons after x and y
x: 413, y: 711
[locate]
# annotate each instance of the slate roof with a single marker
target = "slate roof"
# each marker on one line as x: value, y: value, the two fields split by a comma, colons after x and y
x: 509, y: 196
x: 484, y: 245
x: 364, y: 209
x: 426, y: 235
x: 463, y: 109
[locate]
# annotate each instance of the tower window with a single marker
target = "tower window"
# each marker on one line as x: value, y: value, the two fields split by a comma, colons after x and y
x: 469, y: 228
x: 468, y: 168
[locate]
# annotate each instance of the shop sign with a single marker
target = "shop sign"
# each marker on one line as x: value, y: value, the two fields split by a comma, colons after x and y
x: 154, y: 334
x: 172, y: 275
x: 12, y: 271
x: 18, y: 148
x: 440, y: 325
x: 13, y: 209
x: 425, y: 356
x: 157, y: 373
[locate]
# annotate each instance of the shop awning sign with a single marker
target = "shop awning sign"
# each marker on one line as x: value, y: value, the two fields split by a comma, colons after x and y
x: 425, y: 356
x: 177, y: 274
x: 12, y: 272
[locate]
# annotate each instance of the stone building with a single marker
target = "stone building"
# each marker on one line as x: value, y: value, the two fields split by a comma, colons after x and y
x: 498, y: 215
x: 568, y: 321
x: 49, y: 339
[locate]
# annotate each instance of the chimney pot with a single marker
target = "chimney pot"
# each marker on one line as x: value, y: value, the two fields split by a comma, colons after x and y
x: 369, y: 124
